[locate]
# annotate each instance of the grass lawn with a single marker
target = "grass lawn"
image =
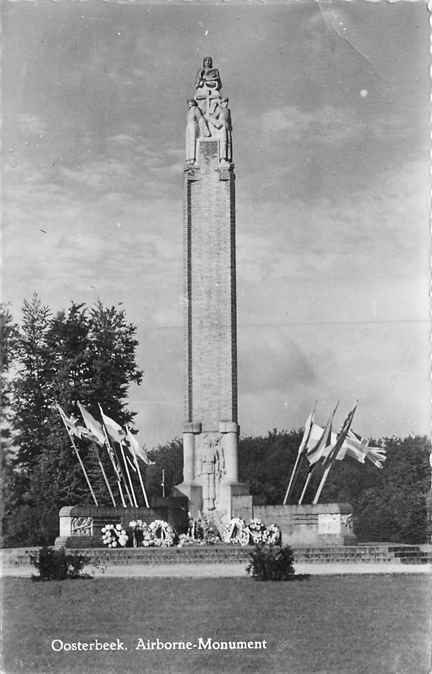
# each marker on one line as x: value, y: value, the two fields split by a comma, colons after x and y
x: 328, y: 624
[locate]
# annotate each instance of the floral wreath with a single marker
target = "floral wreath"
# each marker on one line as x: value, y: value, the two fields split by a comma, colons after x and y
x: 257, y: 531
x: 272, y: 535
x: 113, y: 535
x: 236, y: 532
x: 162, y: 533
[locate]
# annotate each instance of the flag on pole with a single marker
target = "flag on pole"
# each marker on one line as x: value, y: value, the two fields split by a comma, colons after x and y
x: 114, y: 430
x: 134, y: 448
x: 309, y: 424
x: 117, y: 434
x: 92, y: 425
x: 75, y: 448
x: 72, y: 425
x: 320, y: 450
x: 354, y: 446
x: 358, y: 448
x: 300, y: 452
x: 137, y: 450
x: 330, y: 458
x: 320, y: 442
x: 341, y: 436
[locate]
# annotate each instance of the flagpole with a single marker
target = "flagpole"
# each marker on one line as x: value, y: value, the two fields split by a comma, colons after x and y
x: 291, y: 480
x: 139, y: 471
x: 79, y: 458
x: 142, y: 484
x: 119, y: 462
x: 104, y: 475
x: 322, y: 483
x: 135, y: 502
x: 333, y: 454
x: 305, y: 487
x: 109, y: 450
x: 300, y: 453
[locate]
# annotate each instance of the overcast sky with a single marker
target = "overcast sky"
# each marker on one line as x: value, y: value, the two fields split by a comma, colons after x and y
x: 330, y: 113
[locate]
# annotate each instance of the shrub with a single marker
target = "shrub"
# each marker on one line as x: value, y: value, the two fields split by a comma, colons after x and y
x: 271, y: 562
x: 55, y: 564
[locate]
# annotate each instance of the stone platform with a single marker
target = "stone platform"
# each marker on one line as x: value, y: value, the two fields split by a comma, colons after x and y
x: 80, y: 526
x: 310, y: 525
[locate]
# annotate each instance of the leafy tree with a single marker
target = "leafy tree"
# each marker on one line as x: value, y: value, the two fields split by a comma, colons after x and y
x: 8, y: 343
x: 31, y: 389
x: 76, y: 355
x: 168, y: 457
x: 112, y: 346
x: 265, y: 463
x: 388, y: 504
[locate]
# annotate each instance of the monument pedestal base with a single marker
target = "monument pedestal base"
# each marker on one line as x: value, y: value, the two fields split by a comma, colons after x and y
x: 233, y: 500
x: 81, y: 525
x: 311, y: 525
x: 193, y: 493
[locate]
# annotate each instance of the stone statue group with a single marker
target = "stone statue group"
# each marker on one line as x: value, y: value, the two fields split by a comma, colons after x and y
x: 208, y: 115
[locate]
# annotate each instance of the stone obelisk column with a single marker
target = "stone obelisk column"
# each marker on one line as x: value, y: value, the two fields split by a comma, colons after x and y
x: 210, y: 438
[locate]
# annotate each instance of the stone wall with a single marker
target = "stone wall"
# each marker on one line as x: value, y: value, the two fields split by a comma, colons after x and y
x: 303, y: 525
x: 80, y: 526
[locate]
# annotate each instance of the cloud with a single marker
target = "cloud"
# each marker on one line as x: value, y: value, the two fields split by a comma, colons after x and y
x: 273, y: 362
x: 122, y: 139
x: 31, y: 124
x: 329, y: 124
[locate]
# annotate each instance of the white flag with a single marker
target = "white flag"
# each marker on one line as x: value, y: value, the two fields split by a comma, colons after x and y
x: 137, y: 450
x: 320, y: 442
x: 92, y: 425
x: 114, y: 430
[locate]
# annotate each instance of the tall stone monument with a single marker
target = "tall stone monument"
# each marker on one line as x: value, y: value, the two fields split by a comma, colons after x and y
x: 211, y: 431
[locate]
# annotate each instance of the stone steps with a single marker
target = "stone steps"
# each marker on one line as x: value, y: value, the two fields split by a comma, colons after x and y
x: 230, y: 554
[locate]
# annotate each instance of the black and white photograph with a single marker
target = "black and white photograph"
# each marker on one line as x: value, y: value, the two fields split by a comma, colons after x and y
x: 215, y: 337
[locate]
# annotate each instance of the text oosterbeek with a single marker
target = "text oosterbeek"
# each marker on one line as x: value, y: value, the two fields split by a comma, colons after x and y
x: 201, y: 644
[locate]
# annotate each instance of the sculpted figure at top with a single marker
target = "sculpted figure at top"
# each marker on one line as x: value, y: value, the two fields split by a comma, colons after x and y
x: 207, y: 78
x: 196, y: 127
x: 208, y: 115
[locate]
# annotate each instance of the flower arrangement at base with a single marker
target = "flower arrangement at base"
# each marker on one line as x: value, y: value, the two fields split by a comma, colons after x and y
x: 113, y: 536
x: 272, y: 535
x: 147, y: 539
x: 211, y: 534
x: 187, y: 539
x: 257, y: 531
x: 236, y: 531
x: 163, y: 534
